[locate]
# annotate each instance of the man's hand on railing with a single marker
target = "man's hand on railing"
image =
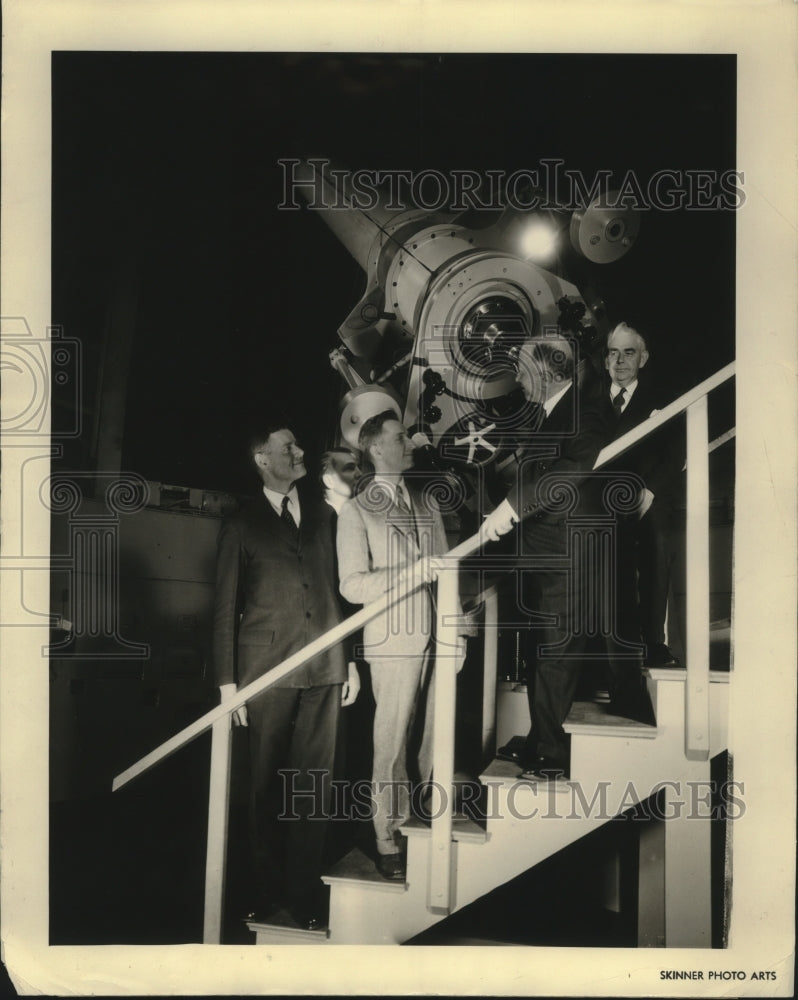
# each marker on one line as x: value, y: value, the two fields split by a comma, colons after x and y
x: 498, y: 523
x: 422, y: 571
x: 226, y: 692
x: 351, y: 686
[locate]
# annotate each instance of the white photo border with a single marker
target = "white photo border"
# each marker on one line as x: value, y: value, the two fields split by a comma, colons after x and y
x: 763, y: 694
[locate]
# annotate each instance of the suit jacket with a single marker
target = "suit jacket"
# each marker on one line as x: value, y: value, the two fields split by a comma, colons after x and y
x: 375, y: 541
x: 577, y: 429
x: 657, y: 459
x: 274, y: 597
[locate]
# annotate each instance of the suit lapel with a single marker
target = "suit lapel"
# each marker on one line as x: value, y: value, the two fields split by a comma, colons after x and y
x: 310, y: 517
x: 562, y: 416
x: 638, y: 409
x: 398, y: 519
x: 429, y: 527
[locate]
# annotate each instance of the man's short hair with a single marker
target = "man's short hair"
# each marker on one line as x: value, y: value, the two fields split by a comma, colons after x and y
x: 626, y: 328
x: 556, y: 355
x: 371, y: 430
x: 259, y: 436
x: 328, y: 460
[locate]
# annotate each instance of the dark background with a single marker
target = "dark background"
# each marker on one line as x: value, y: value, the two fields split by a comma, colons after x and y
x: 166, y: 181
x: 165, y: 193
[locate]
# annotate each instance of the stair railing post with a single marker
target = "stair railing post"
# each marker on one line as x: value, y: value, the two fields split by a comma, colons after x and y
x: 696, y: 690
x: 447, y: 646
x: 489, y: 672
x: 216, y: 851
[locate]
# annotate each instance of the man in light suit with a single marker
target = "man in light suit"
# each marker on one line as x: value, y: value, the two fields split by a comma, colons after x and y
x: 382, y: 532
x: 275, y: 593
x: 573, y: 430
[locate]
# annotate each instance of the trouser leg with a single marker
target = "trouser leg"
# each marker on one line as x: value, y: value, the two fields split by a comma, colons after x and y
x: 557, y: 669
x: 624, y: 649
x: 270, y: 717
x: 395, y: 682
x: 292, y: 733
x: 420, y: 740
x: 655, y: 556
x: 307, y: 784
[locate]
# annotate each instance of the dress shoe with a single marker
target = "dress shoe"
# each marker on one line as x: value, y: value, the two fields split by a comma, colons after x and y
x: 264, y: 912
x: 544, y: 769
x: 508, y: 754
x: 308, y: 919
x: 514, y: 752
x: 391, y: 866
x: 310, y: 912
x: 637, y: 709
x: 629, y: 699
x: 660, y: 656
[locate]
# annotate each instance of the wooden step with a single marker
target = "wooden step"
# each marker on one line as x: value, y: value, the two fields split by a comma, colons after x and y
x: 283, y: 929
x: 589, y: 718
x: 464, y: 829
x: 680, y: 674
x: 357, y: 868
x: 503, y: 772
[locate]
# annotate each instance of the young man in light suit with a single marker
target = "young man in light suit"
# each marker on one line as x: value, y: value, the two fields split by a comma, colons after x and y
x: 382, y: 532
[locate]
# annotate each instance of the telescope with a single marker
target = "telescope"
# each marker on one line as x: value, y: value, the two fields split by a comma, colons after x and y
x: 449, y: 302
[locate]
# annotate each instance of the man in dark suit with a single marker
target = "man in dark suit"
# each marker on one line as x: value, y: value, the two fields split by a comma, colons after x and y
x: 575, y: 426
x: 275, y: 593
x: 644, y: 535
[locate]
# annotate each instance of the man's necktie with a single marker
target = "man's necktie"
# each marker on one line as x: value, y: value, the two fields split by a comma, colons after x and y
x: 401, y: 503
x: 403, y: 506
x: 288, y: 520
x: 617, y: 403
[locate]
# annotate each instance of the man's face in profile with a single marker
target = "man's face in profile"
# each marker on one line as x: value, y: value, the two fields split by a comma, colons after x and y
x: 394, y: 448
x: 282, y: 460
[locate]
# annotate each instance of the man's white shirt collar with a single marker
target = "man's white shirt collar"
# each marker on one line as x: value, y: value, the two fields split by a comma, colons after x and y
x: 276, y: 500
x: 552, y: 401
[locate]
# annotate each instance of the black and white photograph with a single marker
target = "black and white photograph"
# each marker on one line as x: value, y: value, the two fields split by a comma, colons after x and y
x: 398, y: 506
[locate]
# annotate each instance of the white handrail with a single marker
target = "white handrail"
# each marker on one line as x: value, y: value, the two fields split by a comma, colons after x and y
x: 360, y: 618
x: 664, y: 415
x: 319, y: 645
x: 440, y: 885
x: 696, y: 689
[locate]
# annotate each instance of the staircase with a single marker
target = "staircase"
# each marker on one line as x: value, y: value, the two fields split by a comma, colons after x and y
x: 615, y: 763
